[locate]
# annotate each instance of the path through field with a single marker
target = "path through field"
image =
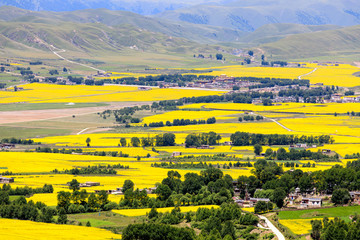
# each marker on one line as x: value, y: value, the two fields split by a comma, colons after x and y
x: 278, y: 234
x: 306, y: 74
x: 84, y: 65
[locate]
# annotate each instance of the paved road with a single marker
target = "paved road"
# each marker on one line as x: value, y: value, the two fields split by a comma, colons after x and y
x: 278, y: 234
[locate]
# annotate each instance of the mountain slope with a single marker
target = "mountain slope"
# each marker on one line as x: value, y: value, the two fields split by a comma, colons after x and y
x: 248, y: 15
x: 88, y: 38
x: 338, y: 43
x: 137, y: 6
x: 193, y: 32
x: 273, y: 32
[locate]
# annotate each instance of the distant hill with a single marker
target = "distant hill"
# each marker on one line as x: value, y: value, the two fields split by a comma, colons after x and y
x: 274, y: 32
x: 144, y: 7
x: 193, y: 32
x: 88, y: 38
x: 248, y: 15
x: 337, y: 43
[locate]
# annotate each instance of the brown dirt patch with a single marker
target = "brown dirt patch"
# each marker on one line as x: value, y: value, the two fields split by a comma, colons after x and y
x: 38, y: 115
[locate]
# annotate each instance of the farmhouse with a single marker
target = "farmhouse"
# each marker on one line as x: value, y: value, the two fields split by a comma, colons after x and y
x: 176, y: 154
x: 311, y: 202
x: 355, y: 197
x: 143, y: 88
x: 6, y: 180
x: 253, y: 201
x: 7, y: 146
x: 89, y: 184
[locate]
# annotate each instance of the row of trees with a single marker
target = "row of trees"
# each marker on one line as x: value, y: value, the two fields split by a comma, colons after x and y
x: 82, y: 201
x: 26, y: 191
x: 293, y: 154
x: 250, y: 118
x: 200, y: 165
x: 196, y: 140
x: 210, y: 187
x: 166, y: 139
x: 181, y: 122
x: 92, y: 170
x: 23, y: 210
x: 269, y: 175
x: 18, y: 141
x: 336, y: 229
x: 248, y: 139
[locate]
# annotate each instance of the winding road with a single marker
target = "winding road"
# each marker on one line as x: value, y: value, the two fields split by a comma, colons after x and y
x: 276, y: 231
x: 65, y: 59
x: 300, y: 77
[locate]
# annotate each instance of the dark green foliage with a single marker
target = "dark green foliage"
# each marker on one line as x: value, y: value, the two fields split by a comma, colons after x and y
x: 26, y: 191
x: 341, y: 196
x: 128, y: 184
x: 278, y: 197
x: 247, y: 139
x: 336, y: 229
x: 257, y: 149
x: 196, y: 140
x: 156, y: 232
x: 18, y: 141
x: 316, y: 226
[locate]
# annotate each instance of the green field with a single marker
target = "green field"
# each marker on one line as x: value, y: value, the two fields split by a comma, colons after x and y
x: 342, y: 212
x: 104, y: 219
x: 44, y: 106
x: 20, y: 132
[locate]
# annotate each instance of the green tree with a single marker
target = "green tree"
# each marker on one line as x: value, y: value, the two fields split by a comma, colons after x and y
x: 257, y: 149
x: 228, y: 229
x: 340, y: 196
x: 135, y: 141
x: 123, y: 142
x: 63, y: 200
x: 260, y: 207
x: 62, y: 217
x: 163, y: 192
x: 74, y: 185
x: 153, y: 213
x: 88, y: 140
x: 278, y: 197
x: 316, y: 226
x: 219, y: 56
x: 4, y: 198
x: 128, y: 184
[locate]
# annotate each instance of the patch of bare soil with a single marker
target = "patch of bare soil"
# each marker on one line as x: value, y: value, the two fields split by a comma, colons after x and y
x: 38, y: 115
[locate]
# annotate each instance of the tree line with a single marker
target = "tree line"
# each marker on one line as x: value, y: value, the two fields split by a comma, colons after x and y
x: 200, y: 165
x: 221, y: 223
x: 336, y: 229
x: 181, y: 122
x: 293, y: 154
x: 196, y: 140
x: 210, y: 187
x: 18, y: 141
x: 92, y: 170
x: 248, y: 139
x: 26, y: 191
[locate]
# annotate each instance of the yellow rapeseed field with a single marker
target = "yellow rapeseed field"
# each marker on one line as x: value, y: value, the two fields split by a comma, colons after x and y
x: 170, y: 116
x: 244, y: 71
x: 252, y: 127
x: 18, y: 229
x: 51, y: 93
x: 299, y: 226
x: 142, y: 212
x: 102, y: 139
